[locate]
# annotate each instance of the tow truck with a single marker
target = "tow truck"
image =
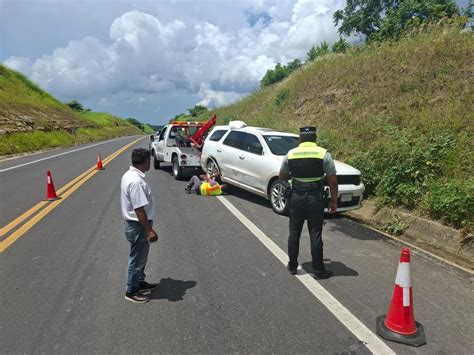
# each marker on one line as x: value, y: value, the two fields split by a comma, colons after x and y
x: 180, y: 143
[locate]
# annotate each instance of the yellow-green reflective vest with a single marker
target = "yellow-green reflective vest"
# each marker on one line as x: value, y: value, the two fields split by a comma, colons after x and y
x: 207, y: 189
x: 305, y: 162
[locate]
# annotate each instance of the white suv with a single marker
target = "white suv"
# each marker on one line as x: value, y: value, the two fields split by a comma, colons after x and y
x: 251, y: 157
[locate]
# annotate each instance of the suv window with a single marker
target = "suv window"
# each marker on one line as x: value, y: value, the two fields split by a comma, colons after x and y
x: 281, y: 145
x: 252, y: 144
x: 235, y: 139
x: 217, y: 135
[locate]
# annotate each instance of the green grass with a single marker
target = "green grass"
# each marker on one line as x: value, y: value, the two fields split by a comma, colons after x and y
x: 16, y: 90
x: 38, y: 140
x: 103, y: 119
x: 26, y: 142
x: 48, y: 122
x: 402, y: 112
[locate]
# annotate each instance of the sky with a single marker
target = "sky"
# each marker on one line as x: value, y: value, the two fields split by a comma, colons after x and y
x: 154, y: 59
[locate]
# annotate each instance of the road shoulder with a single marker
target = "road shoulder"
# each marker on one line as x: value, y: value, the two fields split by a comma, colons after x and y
x: 449, y: 244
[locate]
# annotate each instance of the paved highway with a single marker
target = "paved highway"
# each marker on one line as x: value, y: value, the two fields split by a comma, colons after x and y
x: 223, y: 285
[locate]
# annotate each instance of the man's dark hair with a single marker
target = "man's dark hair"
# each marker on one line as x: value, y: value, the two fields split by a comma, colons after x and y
x: 140, y: 156
x: 307, y: 138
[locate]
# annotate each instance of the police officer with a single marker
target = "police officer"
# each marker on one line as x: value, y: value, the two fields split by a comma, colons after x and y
x: 306, y: 166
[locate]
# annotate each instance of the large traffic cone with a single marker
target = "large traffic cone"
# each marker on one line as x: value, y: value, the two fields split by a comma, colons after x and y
x: 399, y: 324
x: 50, y: 191
x: 99, y: 163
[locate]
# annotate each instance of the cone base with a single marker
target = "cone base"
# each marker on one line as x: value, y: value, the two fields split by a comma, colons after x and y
x: 99, y: 168
x: 417, y: 339
x: 51, y: 198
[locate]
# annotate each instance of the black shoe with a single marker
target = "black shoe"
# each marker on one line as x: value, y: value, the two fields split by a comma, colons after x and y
x: 187, y: 189
x: 292, y: 270
x: 325, y: 274
x: 136, y: 297
x: 145, y: 286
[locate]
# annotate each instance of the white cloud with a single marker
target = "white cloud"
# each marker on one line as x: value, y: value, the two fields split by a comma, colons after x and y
x: 20, y: 64
x: 212, y: 98
x: 147, y: 54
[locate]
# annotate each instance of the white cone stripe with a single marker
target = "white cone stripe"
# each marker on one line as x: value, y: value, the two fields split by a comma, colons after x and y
x: 49, y: 180
x: 406, y: 297
x: 403, y: 278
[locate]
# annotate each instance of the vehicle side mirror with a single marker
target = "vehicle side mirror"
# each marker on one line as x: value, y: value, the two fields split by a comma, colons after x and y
x: 152, y: 138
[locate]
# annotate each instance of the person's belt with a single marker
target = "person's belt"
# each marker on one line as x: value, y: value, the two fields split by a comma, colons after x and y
x: 305, y: 186
x: 132, y: 221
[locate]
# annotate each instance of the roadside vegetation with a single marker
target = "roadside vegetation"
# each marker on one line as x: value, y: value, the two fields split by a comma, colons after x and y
x: 31, y: 119
x: 399, y: 109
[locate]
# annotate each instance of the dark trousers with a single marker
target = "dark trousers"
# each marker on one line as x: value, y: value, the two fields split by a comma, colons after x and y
x: 309, y: 206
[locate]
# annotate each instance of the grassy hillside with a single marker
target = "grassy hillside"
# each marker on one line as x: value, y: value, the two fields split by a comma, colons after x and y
x: 401, y: 112
x: 31, y: 119
x: 25, y: 107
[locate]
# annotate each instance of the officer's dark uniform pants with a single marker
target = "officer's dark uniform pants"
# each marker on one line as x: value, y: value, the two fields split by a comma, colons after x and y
x: 306, y: 205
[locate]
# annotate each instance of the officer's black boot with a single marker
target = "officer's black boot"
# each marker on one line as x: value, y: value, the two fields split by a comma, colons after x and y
x: 292, y: 269
x: 325, y: 274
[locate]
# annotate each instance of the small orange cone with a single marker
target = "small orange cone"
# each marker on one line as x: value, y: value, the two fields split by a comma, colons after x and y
x: 399, y: 324
x: 50, y: 191
x: 99, y: 164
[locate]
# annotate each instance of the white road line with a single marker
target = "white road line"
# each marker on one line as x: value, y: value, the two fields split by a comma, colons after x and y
x: 354, y: 325
x: 57, y: 155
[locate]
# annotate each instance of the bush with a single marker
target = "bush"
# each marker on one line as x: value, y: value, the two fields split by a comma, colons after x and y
x: 451, y: 201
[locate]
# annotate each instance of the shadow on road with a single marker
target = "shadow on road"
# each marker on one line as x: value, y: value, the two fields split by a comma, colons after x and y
x: 171, y: 290
x: 338, y: 268
x: 355, y: 230
x: 166, y: 167
x: 248, y: 196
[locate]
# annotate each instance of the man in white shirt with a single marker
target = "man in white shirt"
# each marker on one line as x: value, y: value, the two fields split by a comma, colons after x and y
x: 137, y: 211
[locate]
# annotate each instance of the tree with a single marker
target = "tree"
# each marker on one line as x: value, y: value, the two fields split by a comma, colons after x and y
x: 340, y: 46
x: 311, y: 55
x: 322, y: 49
x: 292, y: 66
x: 274, y: 76
x: 197, y: 110
x: 268, y: 79
x: 177, y: 117
x: 383, y: 19
x: 318, y: 51
x: 136, y: 123
x: 76, y: 106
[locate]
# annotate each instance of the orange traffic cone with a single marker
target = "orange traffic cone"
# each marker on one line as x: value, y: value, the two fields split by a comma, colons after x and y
x: 50, y: 191
x: 99, y: 163
x: 399, y: 324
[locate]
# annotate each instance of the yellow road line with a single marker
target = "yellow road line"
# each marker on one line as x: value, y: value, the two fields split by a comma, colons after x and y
x: 73, y: 184
x: 40, y: 205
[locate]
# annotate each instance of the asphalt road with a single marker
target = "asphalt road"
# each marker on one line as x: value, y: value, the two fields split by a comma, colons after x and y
x: 221, y: 289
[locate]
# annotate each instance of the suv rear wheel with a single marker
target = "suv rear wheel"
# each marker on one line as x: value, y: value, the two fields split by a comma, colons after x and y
x: 277, y: 197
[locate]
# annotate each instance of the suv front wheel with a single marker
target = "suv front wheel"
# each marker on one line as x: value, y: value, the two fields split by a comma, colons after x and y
x: 277, y: 197
x: 213, y: 168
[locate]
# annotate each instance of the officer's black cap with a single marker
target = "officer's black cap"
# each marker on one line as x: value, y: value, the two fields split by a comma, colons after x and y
x: 308, y: 131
